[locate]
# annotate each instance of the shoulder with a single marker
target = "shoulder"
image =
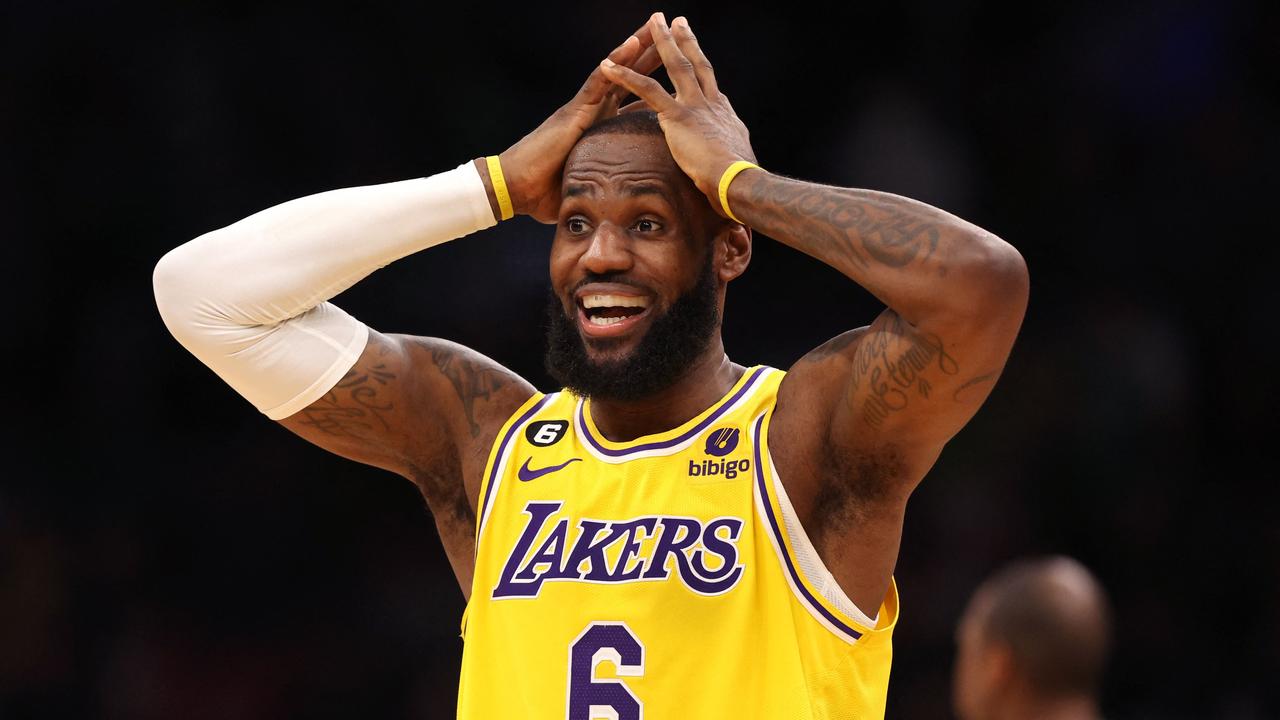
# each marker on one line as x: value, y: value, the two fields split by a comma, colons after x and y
x: 813, y: 384
x: 808, y: 400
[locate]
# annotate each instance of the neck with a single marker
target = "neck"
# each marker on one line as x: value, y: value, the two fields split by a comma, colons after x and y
x: 1072, y: 708
x: 701, y: 385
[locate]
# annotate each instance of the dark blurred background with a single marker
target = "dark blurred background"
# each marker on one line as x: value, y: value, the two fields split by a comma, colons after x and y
x: 167, y: 552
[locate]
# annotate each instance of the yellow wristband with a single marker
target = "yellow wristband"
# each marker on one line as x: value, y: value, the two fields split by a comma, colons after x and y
x: 500, y: 187
x: 729, y: 174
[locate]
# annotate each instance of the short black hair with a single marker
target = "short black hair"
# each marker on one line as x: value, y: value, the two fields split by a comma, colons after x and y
x: 645, y: 123
x: 1058, y: 635
x: 638, y: 122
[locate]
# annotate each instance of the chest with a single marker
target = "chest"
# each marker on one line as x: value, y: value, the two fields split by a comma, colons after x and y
x: 560, y: 509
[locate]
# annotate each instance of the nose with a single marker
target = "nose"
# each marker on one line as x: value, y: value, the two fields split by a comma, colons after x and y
x: 609, y: 250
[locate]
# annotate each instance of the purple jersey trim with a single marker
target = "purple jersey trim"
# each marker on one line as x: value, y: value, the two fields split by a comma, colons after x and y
x: 497, y: 462
x: 786, y: 556
x: 682, y: 437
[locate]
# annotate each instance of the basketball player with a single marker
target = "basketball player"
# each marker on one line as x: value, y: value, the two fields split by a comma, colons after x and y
x: 674, y: 534
x: 1032, y: 644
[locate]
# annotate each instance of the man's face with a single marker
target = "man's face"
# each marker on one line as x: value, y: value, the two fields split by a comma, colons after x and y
x: 631, y: 268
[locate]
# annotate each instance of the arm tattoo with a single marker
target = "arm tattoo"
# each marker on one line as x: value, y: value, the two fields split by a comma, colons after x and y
x: 353, y: 407
x: 471, y: 381
x: 890, y: 366
x: 984, y: 378
x: 843, y: 225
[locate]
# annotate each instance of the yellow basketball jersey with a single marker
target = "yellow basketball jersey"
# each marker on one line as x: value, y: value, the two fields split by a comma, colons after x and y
x: 661, y: 578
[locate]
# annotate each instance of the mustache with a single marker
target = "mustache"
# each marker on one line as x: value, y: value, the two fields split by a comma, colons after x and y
x: 610, y: 277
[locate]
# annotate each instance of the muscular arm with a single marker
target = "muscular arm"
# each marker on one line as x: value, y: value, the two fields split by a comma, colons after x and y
x: 410, y: 399
x: 955, y: 295
x: 883, y: 400
x: 426, y: 409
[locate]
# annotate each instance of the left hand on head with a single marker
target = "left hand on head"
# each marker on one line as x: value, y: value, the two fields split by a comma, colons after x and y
x: 702, y: 130
x: 533, y: 165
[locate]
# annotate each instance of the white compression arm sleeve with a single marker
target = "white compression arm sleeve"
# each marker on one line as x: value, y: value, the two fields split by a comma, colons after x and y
x: 249, y: 300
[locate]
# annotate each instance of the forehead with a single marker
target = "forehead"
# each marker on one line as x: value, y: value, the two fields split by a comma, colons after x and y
x: 617, y: 162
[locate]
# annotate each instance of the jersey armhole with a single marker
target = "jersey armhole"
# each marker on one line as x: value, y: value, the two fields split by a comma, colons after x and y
x: 812, y: 583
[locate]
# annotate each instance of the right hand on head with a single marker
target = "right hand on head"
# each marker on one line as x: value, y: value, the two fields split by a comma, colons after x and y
x: 533, y: 165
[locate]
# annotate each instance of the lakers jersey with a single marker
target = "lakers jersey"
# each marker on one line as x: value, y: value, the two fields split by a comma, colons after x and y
x: 665, y: 577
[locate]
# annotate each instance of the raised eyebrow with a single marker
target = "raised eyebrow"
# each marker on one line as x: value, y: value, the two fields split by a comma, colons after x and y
x: 647, y: 189
x: 577, y: 190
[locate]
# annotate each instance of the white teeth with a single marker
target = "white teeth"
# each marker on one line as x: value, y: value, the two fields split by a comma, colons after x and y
x: 606, y: 320
x: 595, y: 301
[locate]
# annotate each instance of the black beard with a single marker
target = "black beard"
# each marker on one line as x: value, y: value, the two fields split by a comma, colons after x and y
x: 674, y: 340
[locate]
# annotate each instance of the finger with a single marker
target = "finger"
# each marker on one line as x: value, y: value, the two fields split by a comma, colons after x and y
x: 593, y: 90
x: 615, y: 97
x: 645, y: 65
x: 701, y: 65
x: 644, y: 35
x: 642, y: 86
x: 647, y: 62
x: 679, y: 69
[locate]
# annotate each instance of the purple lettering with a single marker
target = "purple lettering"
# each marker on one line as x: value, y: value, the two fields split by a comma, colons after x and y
x: 673, y: 543
x: 631, y: 547
x: 587, y: 550
x: 726, y: 576
x: 507, y: 586
x: 550, y: 553
x: 706, y: 558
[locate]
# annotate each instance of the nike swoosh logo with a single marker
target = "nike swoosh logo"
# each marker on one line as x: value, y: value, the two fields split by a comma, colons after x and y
x: 525, y: 474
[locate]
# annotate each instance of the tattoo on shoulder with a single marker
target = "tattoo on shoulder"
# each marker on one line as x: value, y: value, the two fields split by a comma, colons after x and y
x: 471, y: 381
x: 353, y: 408
x: 892, y: 365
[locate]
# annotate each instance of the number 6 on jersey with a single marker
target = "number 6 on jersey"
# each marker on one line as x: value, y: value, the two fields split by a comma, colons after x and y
x: 607, y: 699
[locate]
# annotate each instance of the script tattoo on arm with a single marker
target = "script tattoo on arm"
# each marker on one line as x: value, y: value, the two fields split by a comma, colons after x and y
x: 847, y: 228
x: 354, y: 408
x: 893, y: 365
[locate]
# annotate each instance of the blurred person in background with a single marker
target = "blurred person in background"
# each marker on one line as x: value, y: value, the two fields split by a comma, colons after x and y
x: 1032, y: 644
x: 609, y: 538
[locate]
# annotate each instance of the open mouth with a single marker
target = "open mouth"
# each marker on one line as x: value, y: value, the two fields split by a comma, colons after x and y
x: 609, y: 314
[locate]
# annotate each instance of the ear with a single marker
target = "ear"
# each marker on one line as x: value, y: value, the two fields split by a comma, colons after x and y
x: 733, y: 246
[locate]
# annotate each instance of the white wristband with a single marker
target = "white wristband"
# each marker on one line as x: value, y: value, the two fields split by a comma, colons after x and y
x: 248, y: 300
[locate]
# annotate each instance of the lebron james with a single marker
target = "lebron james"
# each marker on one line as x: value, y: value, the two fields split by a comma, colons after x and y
x: 672, y: 534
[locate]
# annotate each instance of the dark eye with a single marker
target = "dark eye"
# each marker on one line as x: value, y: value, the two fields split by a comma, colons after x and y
x: 646, y: 226
x: 576, y: 225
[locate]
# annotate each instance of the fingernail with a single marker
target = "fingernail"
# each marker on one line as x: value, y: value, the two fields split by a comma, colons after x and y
x: 661, y: 18
x: 681, y: 22
x: 607, y: 63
